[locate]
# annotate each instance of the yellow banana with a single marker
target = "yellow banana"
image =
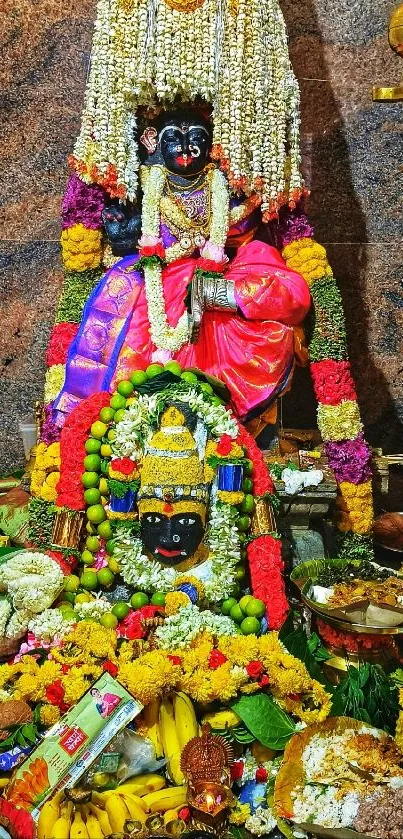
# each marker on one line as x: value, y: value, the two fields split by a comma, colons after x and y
x: 92, y: 824
x: 170, y: 815
x: 185, y: 718
x: 117, y: 813
x: 166, y: 799
x: 151, y: 718
x: 103, y: 819
x: 48, y: 817
x: 100, y: 797
x: 222, y: 719
x: 136, y: 812
x: 142, y: 784
x: 170, y: 742
x: 78, y: 829
x: 61, y: 828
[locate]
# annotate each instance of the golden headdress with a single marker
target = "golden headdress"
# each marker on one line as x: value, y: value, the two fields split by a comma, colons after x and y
x: 173, y: 478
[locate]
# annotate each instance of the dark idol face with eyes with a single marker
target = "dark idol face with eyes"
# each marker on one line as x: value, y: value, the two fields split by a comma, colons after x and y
x: 185, y: 147
x: 172, y: 539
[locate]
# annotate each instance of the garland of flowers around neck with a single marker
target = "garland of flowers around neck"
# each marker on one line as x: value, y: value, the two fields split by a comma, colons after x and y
x: 153, y: 255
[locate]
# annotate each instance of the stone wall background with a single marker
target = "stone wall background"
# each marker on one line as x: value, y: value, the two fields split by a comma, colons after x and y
x: 353, y: 163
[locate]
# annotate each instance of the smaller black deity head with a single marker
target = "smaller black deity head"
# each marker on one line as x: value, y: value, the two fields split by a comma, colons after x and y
x: 172, y: 539
x: 183, y: 140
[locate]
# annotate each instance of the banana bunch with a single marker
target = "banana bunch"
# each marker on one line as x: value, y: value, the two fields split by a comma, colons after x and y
x: 108, y: 811
x: 177, y: 725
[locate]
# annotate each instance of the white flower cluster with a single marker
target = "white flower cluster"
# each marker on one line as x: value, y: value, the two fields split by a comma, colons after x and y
x: 233, y: 55
x: 261, y: 823
x: 180, y: 629
x: 50, y: 625
x: 225, y: 552
x: 5, y: 612
x: 137, y: 569
x: 93, y: 609
x: 32, y: 581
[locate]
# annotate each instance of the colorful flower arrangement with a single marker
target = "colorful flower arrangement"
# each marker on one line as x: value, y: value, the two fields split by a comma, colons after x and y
x: 338, y: 413
x: 31, y: 583
x: 208, y: 669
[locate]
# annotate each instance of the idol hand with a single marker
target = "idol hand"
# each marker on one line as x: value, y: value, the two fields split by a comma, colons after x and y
x: 123, y: 227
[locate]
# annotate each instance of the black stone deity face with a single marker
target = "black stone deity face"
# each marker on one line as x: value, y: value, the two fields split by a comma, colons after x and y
x: 185, y: 145
x: 172, y: 540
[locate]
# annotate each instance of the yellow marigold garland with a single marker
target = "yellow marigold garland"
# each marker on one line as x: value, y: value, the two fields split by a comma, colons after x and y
x: 339, y: 422
x: 355, y: 507
x: 46, y: 473
x: 399, y: 724
x: 81, y: 248
x: 54, y: 380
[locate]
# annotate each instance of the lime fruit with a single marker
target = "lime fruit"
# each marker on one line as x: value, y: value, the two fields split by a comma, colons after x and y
x: 250, y: 626
x: 98, y: 429
x: 89, y: 581
x: 90, y: 528
x: 244, y: 601
x: 71, y: 583
x: 248, y: 467
x: 104, y: 529
x: 105, y: 577
x: 139, y: 599
x: 96, y: 513
x: 92, y: 446
x: 92, y: 543
x: 125, y: 388
x: 87, y: 557
x: 227, y: 605
x: 173, y: 367
x: 255, y: 608
x: 92, y: 496
x: 110, y: 546
x: 111, y: 435
x: 117, y: 401
x: 240, y: 572
x: 158, y: 598
x: 70, y: 615
x: 120, y: 610
x: 90, y: 479
x: 154, y: 370
x: 138, y: 378
x: 120, y: 414
x: 243, y: 523
x: 106, y: 450
x: 63, y: 605
x: 189, y: 377
x: 92, y: 463
x: 113, y: 565
x: 237, y: 614
x: 109, y: 621
x: 70, y: 596
x: 248, y: 504
x: 103, y: 486
x: 106, y: 414
x: 206, y: 388
x: 83, y: 597
x: 247, y: 485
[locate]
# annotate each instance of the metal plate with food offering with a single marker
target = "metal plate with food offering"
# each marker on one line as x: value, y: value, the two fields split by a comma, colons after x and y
x: 342, y: 779
x: 354, y: 591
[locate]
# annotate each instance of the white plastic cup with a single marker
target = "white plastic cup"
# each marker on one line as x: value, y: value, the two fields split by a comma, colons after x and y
x: 27, y: 427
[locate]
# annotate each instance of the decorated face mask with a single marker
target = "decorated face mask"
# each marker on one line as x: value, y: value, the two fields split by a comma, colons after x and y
x: 172, y: 539
x: 184, y: 148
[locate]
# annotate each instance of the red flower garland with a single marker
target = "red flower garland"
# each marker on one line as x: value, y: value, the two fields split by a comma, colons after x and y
x: 352, y: 642
x: 60, y: 339
x: 72, y: 450
x: 333, y: 381
x: 264, y: 553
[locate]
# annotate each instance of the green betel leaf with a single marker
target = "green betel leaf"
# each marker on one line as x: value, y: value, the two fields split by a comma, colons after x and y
x: 265, y: 720
x: 297, y: 643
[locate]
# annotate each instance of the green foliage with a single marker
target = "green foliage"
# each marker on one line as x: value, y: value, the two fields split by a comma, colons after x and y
x: 265, y: 720
x: 309, y: 650
x: 120, y: 488
x: 367, y: 694
x: 20, y: 735
x: 329, y: 334
x: 355, y: 546
x: 76, y: 289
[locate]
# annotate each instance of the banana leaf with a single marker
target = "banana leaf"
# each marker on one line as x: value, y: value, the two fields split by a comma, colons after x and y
x: 312, y: 569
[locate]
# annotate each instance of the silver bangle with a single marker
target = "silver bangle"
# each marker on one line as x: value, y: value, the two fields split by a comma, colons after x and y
x: 219, y: 294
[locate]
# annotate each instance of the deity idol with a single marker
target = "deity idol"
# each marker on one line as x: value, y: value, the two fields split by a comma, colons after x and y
x: 191, y: 240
